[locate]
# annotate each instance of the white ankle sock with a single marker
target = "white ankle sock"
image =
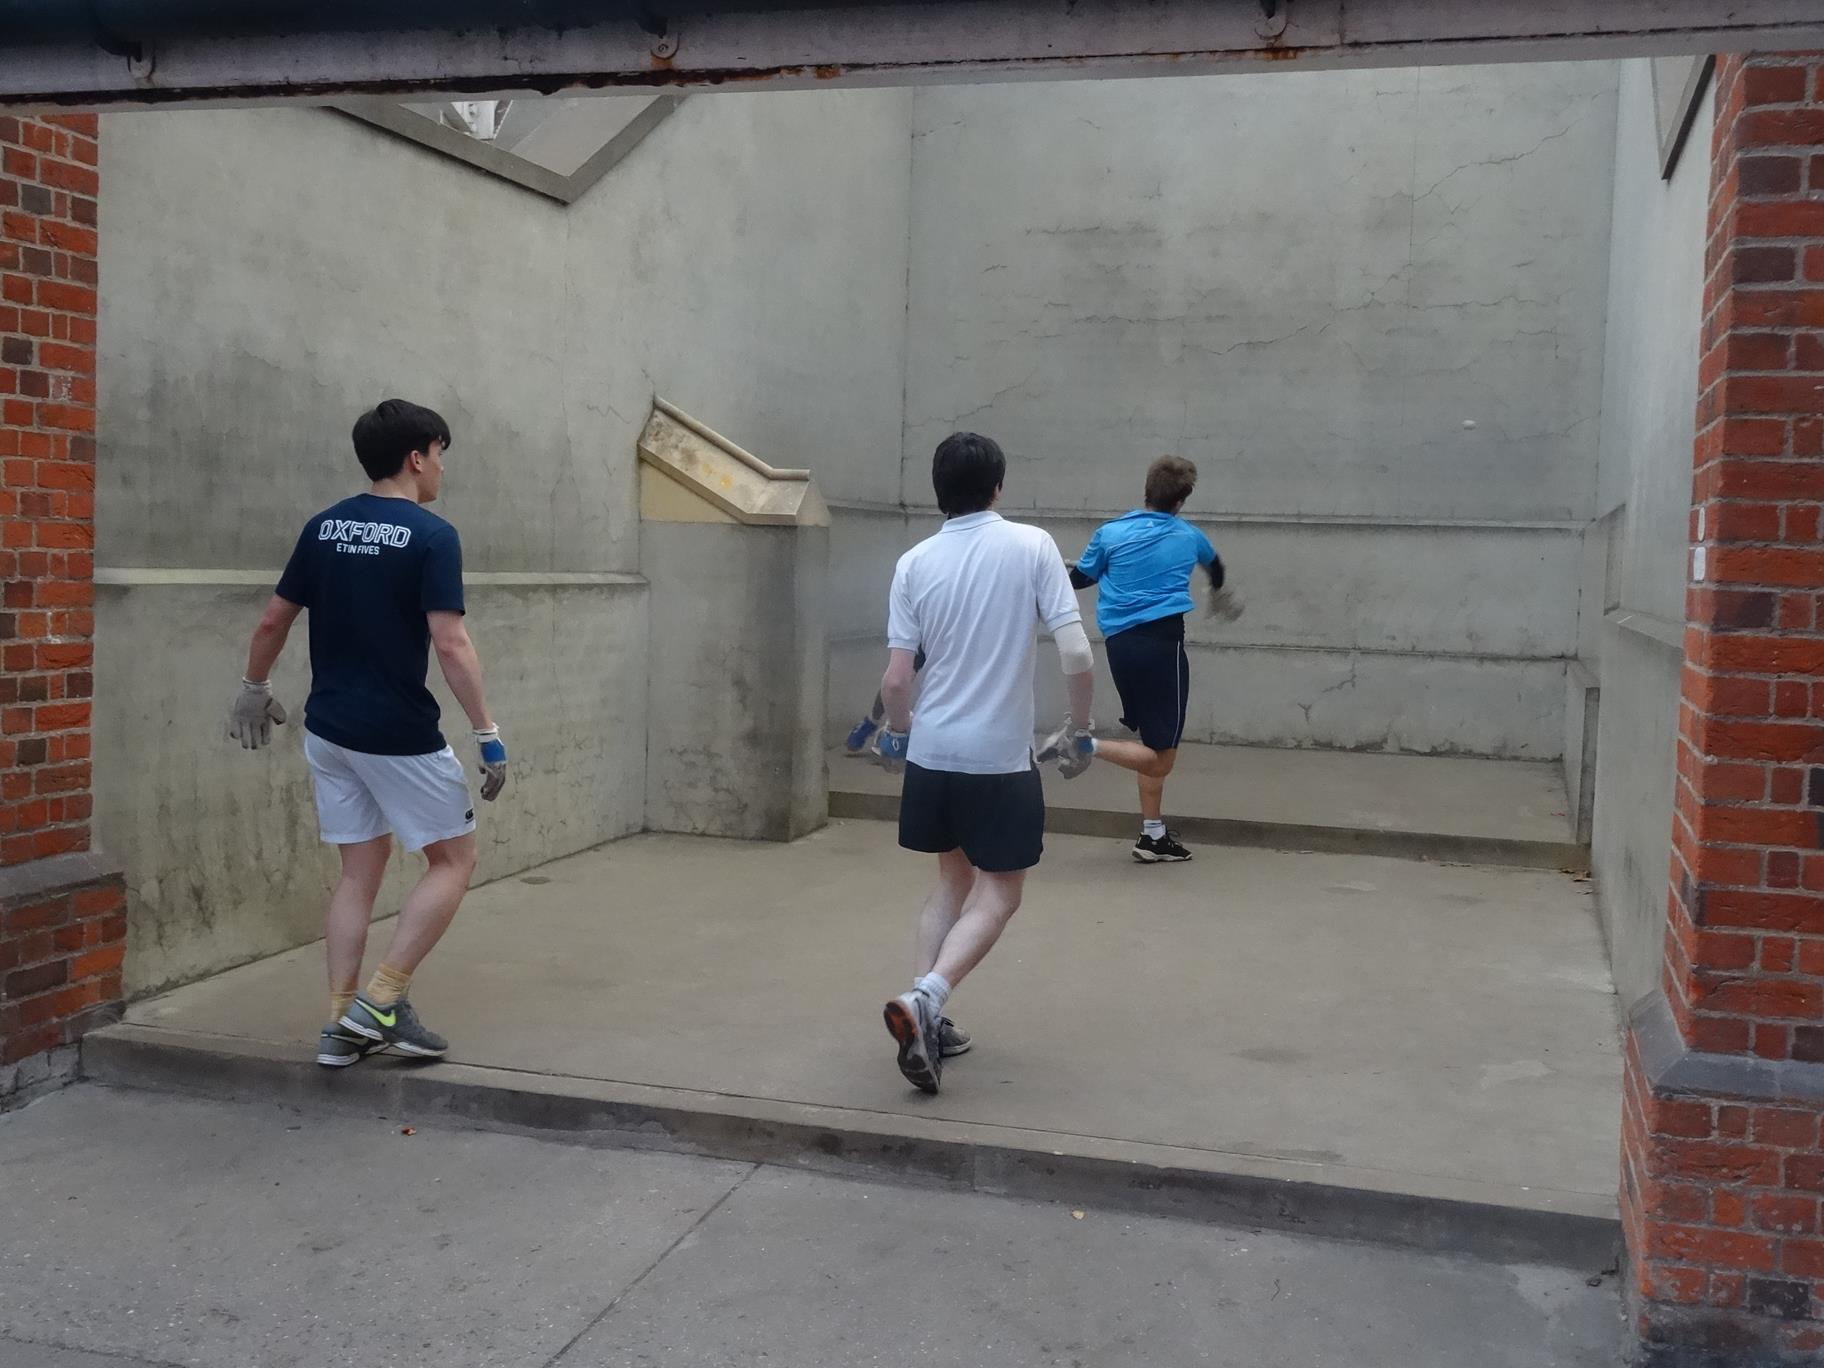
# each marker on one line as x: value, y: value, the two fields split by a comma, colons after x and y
x: 1149, y: 827
x: 934, y: 987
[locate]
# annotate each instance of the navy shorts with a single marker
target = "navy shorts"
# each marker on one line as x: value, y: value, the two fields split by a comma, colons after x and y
x: 996, y: 820
x: 1153, y: 676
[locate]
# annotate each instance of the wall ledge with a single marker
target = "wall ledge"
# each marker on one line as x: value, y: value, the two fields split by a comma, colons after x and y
x: 132, y: 577
x: 1672, y: 1066
x: 1662, y: 631
x: 1365, y: 520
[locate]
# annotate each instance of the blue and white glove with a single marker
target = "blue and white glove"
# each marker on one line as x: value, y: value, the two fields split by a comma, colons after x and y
x: 493, y: 762
x: 891, y: 746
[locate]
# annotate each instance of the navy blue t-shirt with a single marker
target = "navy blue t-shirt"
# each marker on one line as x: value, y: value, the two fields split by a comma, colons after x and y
x: 369, y: 569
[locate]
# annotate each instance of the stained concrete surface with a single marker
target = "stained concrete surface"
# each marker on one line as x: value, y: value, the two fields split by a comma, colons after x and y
x: 1503, y: 799
x: 1429, y: 1023
x: 155, y: 1231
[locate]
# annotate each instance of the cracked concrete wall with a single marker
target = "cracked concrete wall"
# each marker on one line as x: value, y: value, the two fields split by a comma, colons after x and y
x: 1312, y: 284
x: 270, y: 273
x: 1637, y: 567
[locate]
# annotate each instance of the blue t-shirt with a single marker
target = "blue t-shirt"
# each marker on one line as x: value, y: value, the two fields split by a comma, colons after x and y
x: 1143, y: 562
x: 369, y: 570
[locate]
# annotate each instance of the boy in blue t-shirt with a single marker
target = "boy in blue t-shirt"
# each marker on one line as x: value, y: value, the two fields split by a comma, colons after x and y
x: 382, y: 578
x: 1143, y: 563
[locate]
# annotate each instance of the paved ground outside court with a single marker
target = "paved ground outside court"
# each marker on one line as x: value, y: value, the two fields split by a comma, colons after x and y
x: 1358, y: 1020
x: 147, y: 1231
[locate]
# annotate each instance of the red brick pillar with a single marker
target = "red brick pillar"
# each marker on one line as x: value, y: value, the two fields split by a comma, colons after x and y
x: 1722, y: 1165
x: 62, y: 908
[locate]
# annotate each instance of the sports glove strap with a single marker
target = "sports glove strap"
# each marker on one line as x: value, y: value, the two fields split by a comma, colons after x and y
x: 493, y: 750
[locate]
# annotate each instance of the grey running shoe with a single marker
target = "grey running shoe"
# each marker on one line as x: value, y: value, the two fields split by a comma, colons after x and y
x: 1166, y: 849
x: 396, y: 1025
x: 913, y: 1022
x: 952, y: 1040
x: 338, y: 1047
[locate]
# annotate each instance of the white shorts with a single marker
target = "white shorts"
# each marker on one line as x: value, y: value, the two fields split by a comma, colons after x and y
x: 419, y: 798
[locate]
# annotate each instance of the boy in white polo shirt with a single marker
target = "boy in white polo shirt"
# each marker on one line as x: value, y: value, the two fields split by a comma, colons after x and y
x: 972, y: 596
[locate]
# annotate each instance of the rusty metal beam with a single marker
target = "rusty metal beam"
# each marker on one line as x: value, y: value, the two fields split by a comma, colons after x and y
x: 662, y: 43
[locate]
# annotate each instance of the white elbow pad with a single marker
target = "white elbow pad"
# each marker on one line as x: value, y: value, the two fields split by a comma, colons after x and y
x: 1073, y: 648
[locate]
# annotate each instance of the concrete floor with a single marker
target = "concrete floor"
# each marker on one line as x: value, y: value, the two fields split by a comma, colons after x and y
x: 1377, y: 1022
x: 148, y: 1231
x: 1448, y: 795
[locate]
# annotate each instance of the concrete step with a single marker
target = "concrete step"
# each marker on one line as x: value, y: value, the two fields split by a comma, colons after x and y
x: 1440, y: 846
x: 1413, y: 807
x: 1503, y: 1223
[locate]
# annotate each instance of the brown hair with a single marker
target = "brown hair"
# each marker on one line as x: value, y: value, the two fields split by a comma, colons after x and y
x: 1169, y: 482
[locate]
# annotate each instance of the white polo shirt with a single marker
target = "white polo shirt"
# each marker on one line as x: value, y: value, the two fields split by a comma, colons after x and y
x: 973, y: 596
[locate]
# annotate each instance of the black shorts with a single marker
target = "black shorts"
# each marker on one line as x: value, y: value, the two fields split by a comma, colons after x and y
x: 1153, y: 676
x: 997, y: 820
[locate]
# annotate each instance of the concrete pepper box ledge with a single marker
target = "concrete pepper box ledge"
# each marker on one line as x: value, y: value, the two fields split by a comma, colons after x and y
x: 737, y: 553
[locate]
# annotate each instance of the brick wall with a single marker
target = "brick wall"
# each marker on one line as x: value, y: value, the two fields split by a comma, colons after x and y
x: 61, y: 924
x: 1722, y: 1179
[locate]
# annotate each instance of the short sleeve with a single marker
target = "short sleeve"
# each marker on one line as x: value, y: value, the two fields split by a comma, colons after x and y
x: 440, y: 577
x: 1206, y: 551
x: 294, y: 584
x: 1055, y: 599
x: 902, y: 625
x: 1094, y: 560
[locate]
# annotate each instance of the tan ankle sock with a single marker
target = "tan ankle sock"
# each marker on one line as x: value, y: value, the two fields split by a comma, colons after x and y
x: 339, y: 1003
x: 387, y: 986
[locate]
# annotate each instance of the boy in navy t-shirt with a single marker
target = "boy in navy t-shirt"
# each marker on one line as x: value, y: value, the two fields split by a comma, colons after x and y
x: 1142, y: 563
x: 382, y: 579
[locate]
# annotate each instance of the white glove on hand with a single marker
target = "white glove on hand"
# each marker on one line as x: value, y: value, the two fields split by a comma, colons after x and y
x: 1224, y: 605
x: 493, y: 762
x: 253, y: 713
x: 1073, y: 748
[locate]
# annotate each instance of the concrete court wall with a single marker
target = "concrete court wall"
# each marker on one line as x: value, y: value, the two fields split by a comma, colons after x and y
x: 1309, y: 283
x: 270, y: 273
x: 1636, y: 569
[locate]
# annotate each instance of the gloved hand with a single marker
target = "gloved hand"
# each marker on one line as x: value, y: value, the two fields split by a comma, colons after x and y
x: 1073, y: 747
x: 890, y: 748
x: 493, y: 762
x: 253, y: 714
x: 1224, y: 605
x: 1077, y: 749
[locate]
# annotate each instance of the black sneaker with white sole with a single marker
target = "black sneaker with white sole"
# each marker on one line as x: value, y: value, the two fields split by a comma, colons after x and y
x: 396, y: 1025
x: 913, y: 1022
x: 952, y: 1040
x: 1166, y: 849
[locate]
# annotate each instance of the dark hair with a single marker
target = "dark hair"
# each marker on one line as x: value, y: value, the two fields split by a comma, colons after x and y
x: 392, y: 430
x: 965, y: 472
x: 1169, y: 482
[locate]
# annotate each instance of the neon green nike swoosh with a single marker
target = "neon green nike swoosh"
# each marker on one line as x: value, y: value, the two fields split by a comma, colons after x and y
x: 388, y: 1019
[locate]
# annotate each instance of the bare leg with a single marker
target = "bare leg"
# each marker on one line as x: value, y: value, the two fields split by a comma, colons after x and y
x: 1150, y: 765
x: 432, y: 903
x: 351, y: 908
x: 1152, y: 797
x: 1131, y: 755
x: 955, y: 877
x: 986, y: 912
